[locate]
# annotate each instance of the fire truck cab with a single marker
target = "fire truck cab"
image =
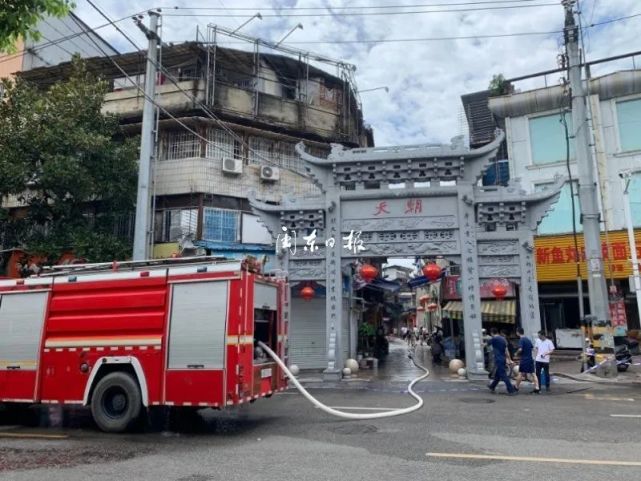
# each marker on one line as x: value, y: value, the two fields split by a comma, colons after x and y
x: 122, y: 338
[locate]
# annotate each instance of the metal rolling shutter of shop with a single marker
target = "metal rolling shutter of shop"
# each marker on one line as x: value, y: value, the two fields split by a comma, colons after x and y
x: 307, y: 333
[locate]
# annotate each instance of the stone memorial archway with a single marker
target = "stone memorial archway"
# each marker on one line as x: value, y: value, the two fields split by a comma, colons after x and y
x: 412, y: 201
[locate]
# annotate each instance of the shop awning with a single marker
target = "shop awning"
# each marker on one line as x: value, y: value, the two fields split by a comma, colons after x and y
x: 492, y: 311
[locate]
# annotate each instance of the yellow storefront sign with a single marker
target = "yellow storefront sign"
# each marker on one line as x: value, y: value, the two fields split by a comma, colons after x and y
x: 556, y: 258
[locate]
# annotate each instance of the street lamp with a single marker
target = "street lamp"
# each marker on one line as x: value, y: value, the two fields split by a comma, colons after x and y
x: 371, y: 90
x: 300, y: 25
x: 626, y: 178
x: 256, y: 15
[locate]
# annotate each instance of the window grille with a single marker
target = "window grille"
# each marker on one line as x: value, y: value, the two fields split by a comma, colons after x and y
x: 182, y: 145
x: 222, y: 144
x: 220, y: 225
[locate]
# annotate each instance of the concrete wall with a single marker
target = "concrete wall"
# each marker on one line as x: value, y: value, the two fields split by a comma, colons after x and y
x: 205, y: 175
x: 129, y: 102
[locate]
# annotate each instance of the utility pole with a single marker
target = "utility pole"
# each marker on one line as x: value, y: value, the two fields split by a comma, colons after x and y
x: 142, y: 231
x: 590, y: 215
x: 626, y: 178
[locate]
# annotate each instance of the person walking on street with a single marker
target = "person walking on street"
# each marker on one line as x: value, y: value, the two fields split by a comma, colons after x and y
x: 501, y: 358
x: 543, y: 348
x: 526, y: 364
x: 404, y: 332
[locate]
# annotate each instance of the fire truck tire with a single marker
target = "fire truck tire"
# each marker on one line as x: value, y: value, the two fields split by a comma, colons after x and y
x: 116, y: 402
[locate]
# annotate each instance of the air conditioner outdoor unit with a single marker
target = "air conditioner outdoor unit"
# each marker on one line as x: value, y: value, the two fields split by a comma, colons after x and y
x: 269, y: 173
x: 232, y: 166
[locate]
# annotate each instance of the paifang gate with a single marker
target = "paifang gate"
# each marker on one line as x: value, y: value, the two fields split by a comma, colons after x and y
x: 413, y: 201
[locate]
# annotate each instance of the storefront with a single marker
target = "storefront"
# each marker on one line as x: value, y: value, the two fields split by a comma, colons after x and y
x: 557, y: 279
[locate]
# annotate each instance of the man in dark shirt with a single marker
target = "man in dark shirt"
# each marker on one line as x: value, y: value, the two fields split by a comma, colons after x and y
x: 526, y: 365
x: 501, y: 357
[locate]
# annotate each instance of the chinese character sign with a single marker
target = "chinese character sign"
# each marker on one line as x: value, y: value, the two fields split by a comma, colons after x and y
x: 556, y: 256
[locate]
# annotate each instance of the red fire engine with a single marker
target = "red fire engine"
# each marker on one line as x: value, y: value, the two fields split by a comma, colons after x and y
x: 123, y: 338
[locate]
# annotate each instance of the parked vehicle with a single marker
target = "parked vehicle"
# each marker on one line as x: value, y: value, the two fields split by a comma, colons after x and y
x: 124, y: 338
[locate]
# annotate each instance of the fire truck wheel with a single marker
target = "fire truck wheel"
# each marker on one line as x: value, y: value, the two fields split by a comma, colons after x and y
x: 116, y: 402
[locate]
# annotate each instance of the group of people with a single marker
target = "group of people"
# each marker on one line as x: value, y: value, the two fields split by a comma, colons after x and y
x: 534, y: 361
x: 414, y: 335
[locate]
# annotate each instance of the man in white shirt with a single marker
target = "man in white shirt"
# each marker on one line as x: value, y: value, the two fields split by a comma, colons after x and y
x: 544, y: 349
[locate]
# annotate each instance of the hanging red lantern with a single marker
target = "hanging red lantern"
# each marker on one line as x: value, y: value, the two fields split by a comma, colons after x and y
x: 431, y: 271
x: 368, y: 272
x: 432, y: 306
x: 423, y: 300
x: 499, y: 290
x: 307, y: 293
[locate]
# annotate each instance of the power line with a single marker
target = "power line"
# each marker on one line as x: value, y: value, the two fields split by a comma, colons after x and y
x: 364, y: 14
x: 50, y: 43
x: 457, y: 37
x: 353, y: 7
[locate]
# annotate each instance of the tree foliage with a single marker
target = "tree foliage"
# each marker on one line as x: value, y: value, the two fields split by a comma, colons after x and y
x: 69, y: 165
x: 19, y: 17
x: 499, y: 86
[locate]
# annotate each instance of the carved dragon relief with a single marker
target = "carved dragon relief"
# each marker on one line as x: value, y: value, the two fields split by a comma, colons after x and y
x: 498, y: 247
x: 499, y: 271
x: 411, y: 248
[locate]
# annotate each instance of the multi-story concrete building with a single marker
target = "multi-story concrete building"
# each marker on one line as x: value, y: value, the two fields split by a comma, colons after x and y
x: 245, y: 112
x: 538, y: 151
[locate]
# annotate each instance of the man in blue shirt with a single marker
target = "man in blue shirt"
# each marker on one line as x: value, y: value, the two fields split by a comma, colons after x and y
x: 526, y: 365
x: 501, y: 357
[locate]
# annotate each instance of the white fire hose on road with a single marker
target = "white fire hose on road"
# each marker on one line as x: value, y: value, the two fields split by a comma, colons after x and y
x: 342, y: 414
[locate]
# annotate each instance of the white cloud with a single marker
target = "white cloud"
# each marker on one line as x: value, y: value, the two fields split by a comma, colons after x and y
x: 425, y: 79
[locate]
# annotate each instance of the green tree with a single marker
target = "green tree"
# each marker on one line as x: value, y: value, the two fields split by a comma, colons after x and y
x: 69, y: 165
x: 19, y: 17
x: 499, y: 86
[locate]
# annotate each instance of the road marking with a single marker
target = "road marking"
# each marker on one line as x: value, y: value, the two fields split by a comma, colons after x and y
x: 625, y: 415
x: 33, y: 435
x: 528, y: 459
x: 607, y: 398
x: 356, y: 408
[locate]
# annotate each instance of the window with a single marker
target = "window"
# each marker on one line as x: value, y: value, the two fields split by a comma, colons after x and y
x: 547, y: 139
x: 172, y: 225
x: 222, y: 144
x: 181, y: 145
x: 220, y: 225
x: 559, y: 219
x: 629, y: 119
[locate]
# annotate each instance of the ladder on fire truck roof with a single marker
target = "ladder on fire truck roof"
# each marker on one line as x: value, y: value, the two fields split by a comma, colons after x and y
x: 66, y: 269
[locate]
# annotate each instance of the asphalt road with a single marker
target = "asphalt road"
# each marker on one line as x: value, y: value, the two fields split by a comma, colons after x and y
x: 286, y: 438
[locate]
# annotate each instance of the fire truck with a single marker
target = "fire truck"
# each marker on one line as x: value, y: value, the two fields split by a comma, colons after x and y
x: 123, y: 338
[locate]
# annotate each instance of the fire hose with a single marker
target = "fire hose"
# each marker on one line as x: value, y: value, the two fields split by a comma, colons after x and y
x: 342, y: 414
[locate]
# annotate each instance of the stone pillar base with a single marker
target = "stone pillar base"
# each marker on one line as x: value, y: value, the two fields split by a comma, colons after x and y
x: 332, y: 375
x: 477, y: 375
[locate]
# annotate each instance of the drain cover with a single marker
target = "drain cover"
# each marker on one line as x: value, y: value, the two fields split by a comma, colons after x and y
x: 477, y: 400
x: 355, y: 429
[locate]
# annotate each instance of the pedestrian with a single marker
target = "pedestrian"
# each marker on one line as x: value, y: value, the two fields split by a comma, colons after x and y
x: 501, y: 358
x: 421, y: 334
x: 414, y: 336
x: 403, y: 332
x: 526, y: 364
x: 543, y: 348
x: 437, y: 347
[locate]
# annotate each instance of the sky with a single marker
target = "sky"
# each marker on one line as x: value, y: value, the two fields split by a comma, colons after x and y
x: 425, y: 78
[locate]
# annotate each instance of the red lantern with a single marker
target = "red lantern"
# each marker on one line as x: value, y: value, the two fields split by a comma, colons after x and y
x: 432, y: 306
x: 368, y: 272
x: 431, y: 271
x: 499, y: 290
x: 307, y: 293
x: 424, y: 300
